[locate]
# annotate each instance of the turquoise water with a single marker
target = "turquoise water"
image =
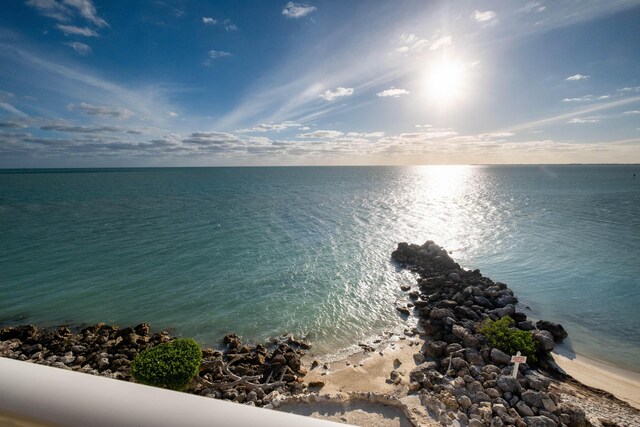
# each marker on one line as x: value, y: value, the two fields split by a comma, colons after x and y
x: 263, y: 251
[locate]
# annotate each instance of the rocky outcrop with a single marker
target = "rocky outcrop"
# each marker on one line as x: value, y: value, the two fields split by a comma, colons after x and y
x: 239, y: 372
x: 464, y: 378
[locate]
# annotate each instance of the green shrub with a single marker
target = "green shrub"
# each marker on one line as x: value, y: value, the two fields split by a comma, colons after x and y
x: 171, y: 365
x: 500, y: 335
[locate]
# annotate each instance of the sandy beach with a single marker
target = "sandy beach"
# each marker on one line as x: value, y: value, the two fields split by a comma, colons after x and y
x: 370, y: 372
x: 359, y: 389
x: 623, y: 384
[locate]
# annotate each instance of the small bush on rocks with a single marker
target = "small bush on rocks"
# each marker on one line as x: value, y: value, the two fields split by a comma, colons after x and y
x: 171, y: 365
x: 500, y: 335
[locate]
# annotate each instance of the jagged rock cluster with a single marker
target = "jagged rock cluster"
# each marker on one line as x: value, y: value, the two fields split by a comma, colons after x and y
x: 98, y: 349
x: 241, y: 373
x: 462, y: 379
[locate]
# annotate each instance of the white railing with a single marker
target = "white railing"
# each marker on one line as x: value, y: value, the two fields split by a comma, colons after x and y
x: 51, y: 396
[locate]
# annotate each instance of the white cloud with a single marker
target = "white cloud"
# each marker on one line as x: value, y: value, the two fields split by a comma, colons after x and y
x: 173, y: 114
x: 411, y: 43
x: 65, y: 10
x: 226, y: 24
x: 80, y: 48
x: 629, y: 89
x: 579, y: 120
x: 271, y: 127
x: 229, y: 26
x: 330, y: 95
x: 587, y: 98
x: 87, y: 10
x: 320, y: 134
x: 97, y: 110
x: 630, y: 112
x: 365, y: 135
x: 393, y: 92
x: 76, y: 31
x: 496, y: 135
x: 487, y: 17
x: 214, y: 54
x: 297, y: 10
x: 577, y: 77
x: 441, y: 42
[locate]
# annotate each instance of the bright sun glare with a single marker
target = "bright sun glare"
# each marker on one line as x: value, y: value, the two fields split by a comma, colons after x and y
x: 446, y: 82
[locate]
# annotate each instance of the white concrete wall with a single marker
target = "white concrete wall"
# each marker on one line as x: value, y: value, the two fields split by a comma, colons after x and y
x: 65, y: 398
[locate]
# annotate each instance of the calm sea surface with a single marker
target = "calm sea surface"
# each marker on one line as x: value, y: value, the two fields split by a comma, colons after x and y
x: 262, y: 251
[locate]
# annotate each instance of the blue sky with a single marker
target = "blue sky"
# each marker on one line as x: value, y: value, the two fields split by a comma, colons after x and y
x: 203, y: 83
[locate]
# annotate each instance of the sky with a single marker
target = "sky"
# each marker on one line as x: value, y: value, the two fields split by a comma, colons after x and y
x: 248, y: 83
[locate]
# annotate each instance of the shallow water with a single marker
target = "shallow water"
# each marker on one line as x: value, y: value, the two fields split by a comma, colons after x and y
x: 262, y: 251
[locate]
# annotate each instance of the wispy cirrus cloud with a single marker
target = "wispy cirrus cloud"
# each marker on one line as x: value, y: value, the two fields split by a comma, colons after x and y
x: 209, y: 21
x: 66, y: 10
x: 215, y: 54
x: 581, y: 120
x: 297, y: 10
x: 331, y: 95
x: 80, y: 48
x: 411, y: 43
x: 72, y: 30
x: 392, y: 92
x: 587, y: 98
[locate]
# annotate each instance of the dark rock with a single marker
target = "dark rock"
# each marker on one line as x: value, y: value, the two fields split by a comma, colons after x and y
x: 537, y: 381
x: 22, y: 333
x: 508, y: 384
x: 532, y: 398
x: 439, y: 313
x: 557, y: 331
x: 523, y: 409
x: 499, y: 358
x: 544, y: 340
x: 539, y: 421
x: 527, y: 325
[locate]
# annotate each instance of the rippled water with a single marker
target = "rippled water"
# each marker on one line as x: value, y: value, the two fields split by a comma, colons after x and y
x: 262, y: 251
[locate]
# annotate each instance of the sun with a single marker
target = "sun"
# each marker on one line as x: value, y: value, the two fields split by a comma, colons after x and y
x: 446, y: 82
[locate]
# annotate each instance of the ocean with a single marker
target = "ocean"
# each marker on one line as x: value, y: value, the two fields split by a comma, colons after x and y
x: 306, y: 250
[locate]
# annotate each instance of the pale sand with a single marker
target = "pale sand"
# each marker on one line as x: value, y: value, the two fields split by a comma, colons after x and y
x: 349, y: 380
x: 623, y: 384
x: 369, y: 371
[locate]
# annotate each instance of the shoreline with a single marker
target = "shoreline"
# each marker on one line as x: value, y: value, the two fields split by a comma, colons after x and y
x: 448, y: 369
x: 622, y: 383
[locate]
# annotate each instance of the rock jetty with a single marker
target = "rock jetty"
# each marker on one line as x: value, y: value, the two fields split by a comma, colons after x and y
x: 238, y: 372
x: 463, y: 380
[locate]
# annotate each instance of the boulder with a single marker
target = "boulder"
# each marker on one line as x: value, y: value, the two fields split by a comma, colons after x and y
x: 439, y: 313
x: 544, y: 339
x: 507, y: 384
x: 500, y: 358
x: 523, y: 409
x: 537, y: 381
x: 532, y: 398
x: 557, y: 331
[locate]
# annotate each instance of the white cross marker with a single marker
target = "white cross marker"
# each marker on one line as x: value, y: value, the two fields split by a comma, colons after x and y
x: 517, y: 360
